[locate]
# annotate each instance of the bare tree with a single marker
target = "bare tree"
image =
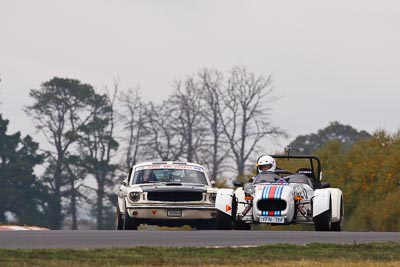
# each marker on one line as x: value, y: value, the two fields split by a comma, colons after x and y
x: 245, y: 117
x: 134, y: 120
x: 163, y: 140
x: 187, y: 116
x: 211, y: 84
x: 206, y: 119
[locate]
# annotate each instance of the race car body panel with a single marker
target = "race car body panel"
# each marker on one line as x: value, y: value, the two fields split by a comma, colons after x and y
x: 224, y: 200
x: 337, y: 207
x: 273, y: 203
x: 244, y: 209
x: 290, y: 197
x: 172, y: 194
x: 321, y: 201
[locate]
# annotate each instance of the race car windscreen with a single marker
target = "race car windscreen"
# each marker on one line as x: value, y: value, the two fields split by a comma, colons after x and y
x: 151, y: 175
x: 268, y: 177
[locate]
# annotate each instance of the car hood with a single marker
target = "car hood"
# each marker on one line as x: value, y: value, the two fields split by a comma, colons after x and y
x: 174, y: 187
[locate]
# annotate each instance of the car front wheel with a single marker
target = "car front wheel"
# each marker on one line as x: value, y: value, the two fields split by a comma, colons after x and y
x: 322, y: 221
x: 129, y: 223
x: 224, y: 221
x: 119, y: 220
x: 239, y: 225
x: 207, y: 225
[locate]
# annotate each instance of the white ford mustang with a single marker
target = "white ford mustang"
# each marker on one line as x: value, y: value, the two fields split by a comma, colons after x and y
x: 290, y: 197
x: 172, y: 194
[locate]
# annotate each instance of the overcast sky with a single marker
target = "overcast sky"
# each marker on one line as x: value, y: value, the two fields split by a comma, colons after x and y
x: 330, y: 60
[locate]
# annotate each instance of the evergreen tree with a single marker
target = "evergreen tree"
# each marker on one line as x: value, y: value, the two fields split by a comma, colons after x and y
x: 347, y: 135
x: 21, y: 192
x: 60, y: 108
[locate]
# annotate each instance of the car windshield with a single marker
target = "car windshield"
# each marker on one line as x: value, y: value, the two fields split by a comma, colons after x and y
x: 266, y: 177
x: 299, y: 178
x: 270, y: 177
x: 169, y: 175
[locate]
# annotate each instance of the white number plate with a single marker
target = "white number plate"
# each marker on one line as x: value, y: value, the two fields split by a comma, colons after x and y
x: 272, y: 219
x: 174, y: 213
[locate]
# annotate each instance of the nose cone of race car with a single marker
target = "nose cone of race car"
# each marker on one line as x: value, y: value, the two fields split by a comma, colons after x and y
x: 274, y: 200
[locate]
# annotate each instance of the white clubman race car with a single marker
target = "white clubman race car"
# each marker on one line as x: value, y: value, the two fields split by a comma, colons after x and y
x: 172, y: 194
x: 290, y: 197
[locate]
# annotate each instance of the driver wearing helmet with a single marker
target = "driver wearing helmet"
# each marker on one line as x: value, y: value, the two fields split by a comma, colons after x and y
x: 266, y: 164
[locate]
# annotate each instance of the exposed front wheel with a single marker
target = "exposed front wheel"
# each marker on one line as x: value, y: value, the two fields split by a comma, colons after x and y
x: 224, y: 221
x: 207, y: 225
x: 337, y: 226
x: 239, y: 225
x: 322, y: 222
x: 221, y: 222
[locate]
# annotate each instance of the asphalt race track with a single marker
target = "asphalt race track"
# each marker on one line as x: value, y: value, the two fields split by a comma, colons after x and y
x: 120, y: 239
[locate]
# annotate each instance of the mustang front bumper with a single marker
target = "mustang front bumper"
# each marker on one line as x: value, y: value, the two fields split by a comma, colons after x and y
x: 159, y: 212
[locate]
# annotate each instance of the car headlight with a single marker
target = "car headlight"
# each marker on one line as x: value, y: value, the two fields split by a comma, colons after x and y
x: 298, y: 189
x: 212, y: 197
x: 248, y: 188
x: 134, y: 196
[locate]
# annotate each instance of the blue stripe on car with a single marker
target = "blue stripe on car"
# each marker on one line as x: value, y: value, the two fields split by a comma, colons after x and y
x: 264, y: 195
x: 278, y: 195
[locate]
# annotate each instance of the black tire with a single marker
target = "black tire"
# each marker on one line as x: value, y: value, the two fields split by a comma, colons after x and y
x: 224, y: 221
x: 129, y: 223
x: 337, y: 226
x: 207, y: 225
x: 322, y: 222
x: 239, y: 225
x: 119, y: 220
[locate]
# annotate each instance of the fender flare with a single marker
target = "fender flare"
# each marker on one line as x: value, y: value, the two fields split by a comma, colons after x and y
x: 337, y: 198
x: 224, y: 200
x: 321, y: 201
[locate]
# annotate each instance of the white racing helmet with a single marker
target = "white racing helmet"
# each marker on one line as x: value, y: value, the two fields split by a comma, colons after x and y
x: 266, y: 160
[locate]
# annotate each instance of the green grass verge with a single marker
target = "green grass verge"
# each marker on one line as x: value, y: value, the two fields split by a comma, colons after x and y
x: 375, y: 254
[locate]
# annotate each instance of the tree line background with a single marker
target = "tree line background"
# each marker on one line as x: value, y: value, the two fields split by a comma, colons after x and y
x: 217, y: 119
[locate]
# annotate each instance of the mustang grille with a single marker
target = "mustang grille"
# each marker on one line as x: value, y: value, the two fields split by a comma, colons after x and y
x: 175, y: 196
x: 271, y: 204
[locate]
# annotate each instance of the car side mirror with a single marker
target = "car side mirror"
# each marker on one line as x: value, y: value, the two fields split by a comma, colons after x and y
x: 213, y: 183
x: 237, y: 183
x: 124, y: 182
x: 325, y: 185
